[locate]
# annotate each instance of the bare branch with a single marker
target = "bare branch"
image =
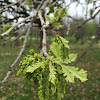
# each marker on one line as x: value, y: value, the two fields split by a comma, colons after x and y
x: 12, y: 40
x: 25, y: 28
x: 74, y: 32
x: 7, y: 6
x: 15, y: 38
x: 15, y: 25
x: 21, y: 52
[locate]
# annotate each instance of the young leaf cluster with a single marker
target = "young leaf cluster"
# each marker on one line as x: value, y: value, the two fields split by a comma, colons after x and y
x: 49, y: 72
x: 58, y: 14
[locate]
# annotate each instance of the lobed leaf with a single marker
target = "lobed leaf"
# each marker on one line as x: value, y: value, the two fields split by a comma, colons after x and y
x: 71, y: 58
x: 56, y: 13
x: 71, y: 72
x: 35, y: 66
x: 65, y: 42
x: 47, y: 18
x: 56, y: 49
x: 52, y: 76
x: 53, y: 20
x: 57, y: 60
x: 63, y: 13
x: 58, y: 25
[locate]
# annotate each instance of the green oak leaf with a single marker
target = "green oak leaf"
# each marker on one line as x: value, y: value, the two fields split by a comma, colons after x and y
x: 47, y: 18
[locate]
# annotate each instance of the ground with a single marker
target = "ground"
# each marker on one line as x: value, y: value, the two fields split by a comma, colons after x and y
x: 16, y: 89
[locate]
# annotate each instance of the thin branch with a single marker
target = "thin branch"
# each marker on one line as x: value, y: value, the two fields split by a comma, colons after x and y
x: 20, y: 4
x: 12, y: 40
x: 97, y: 37
x: 15, y: 25
x: 25, y: 28
x: 21, y: 52
x: 45, y: 4
x: 74, y: 32
x: 15, y: 38
x: 74, y: 18
x: 7, y: 6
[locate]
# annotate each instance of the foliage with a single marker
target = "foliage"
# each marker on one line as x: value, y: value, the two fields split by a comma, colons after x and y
x: 51, y: 8
x: 22, y: 38
x: 50, y: 74
x: 58, y: 14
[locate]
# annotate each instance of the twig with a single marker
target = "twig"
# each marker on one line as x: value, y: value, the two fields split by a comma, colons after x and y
x: 21, y: 52
x: 20, y: 2
x: 74, y: 18
x: 91, y: 44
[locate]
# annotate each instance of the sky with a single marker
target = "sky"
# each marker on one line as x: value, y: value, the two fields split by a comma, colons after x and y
x: 79, y: 10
